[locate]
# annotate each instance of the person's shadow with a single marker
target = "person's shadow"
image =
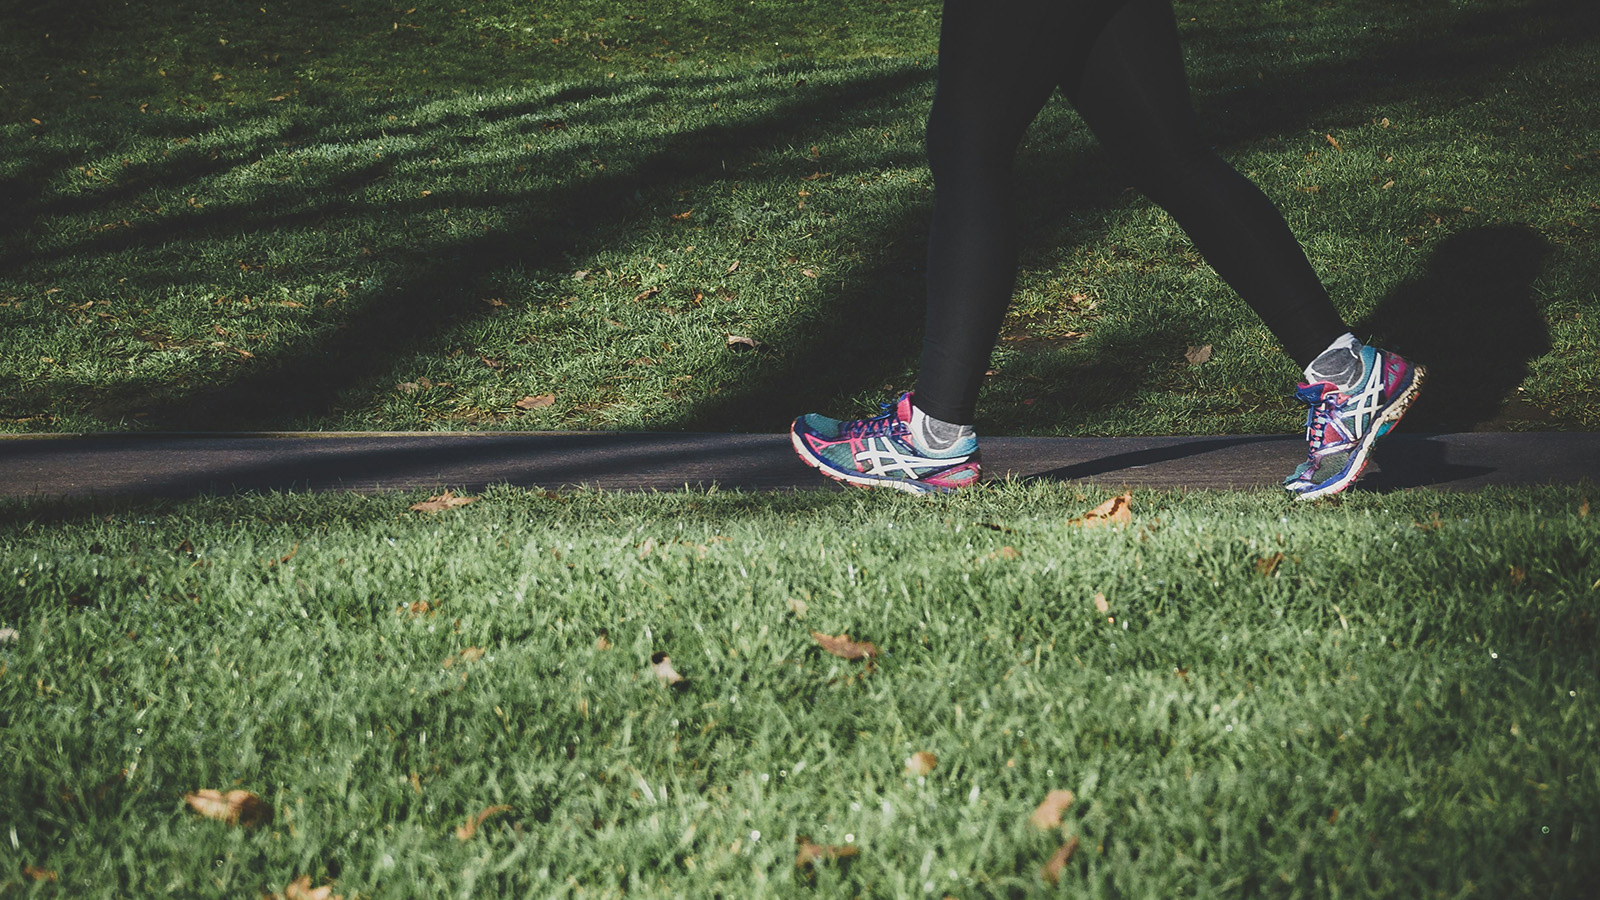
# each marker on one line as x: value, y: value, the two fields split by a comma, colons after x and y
x: 1473, y: 320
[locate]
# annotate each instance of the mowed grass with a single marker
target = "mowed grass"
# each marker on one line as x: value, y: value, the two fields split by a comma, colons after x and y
x: 375, y: 217
x: 1388, y: 696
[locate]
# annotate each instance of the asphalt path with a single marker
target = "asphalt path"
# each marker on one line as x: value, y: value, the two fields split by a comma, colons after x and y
x: 184, y: 465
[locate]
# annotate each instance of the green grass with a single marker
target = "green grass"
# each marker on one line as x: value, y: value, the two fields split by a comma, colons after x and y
x: 232, y: 218
x: 1402, y: 704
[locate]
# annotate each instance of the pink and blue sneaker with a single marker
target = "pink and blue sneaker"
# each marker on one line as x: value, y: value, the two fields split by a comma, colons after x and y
x: 1341, y: 426
x: 883, y: 452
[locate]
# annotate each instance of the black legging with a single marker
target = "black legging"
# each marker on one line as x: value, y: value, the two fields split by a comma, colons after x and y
x: 1118, y: 62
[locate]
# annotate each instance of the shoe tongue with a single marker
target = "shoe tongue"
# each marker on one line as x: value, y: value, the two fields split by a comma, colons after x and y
x: 1313, y: 393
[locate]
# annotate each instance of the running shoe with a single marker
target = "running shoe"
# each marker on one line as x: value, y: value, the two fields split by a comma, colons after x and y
x: 1342, y: 427
x: 880, y: 452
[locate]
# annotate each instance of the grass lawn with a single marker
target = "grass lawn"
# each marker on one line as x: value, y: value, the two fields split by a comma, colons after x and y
x: 290, y: 215
x: 1389, y: 696
x: 365, y: 215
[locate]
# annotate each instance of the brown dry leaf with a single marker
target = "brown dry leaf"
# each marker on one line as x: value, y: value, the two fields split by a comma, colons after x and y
x: 1518, y: 575
x: 38, y: 874
x: 1583, y: 509
x: 465, y: 832
x: 602, y: 642
x: 490, y: 361
x: 661, y: 664
x: 444, y: 501
x: 539, y: 402
x: 921, y: 763
x: 234, y: 807
x: 683, y: 216
x: 407, y: 387
x: 810, y: 853
x: 808, y: 273
x: 1267, y: 565
x: 418, y: 608
x: 742, y: 342
x: 1052, y: 869
x: 646, y: 294
x: 1334, y: 142
x: 798, y: 607
x: 1197, y: 355
x: 1006, y: 552
x: 1387, y: 184
x: 1116, y: 511
x: 301, y: 889
x: 1048, y: 815
x: 1100, y: 604
x: 471, y: 654
x: 843, y: 647
x: 733, y: 268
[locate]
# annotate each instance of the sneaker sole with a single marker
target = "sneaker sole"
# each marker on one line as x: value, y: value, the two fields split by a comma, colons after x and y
x: 856, y: 479
x: 1385, y: 423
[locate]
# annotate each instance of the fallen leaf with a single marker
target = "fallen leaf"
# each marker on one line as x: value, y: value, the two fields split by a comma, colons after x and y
x: 581, y: 274
x: 444, y: 501
x: 1052, y: 869
x: 810, y: 853
x: 1385, y: 123
x: 683, y: 216
x: 1100, y: 604
x: 742, y: 342
x: 661, y: 664
x: 8, y: 635
x: 843, y: 647
x: 647, y: 548
x: 1116, y: 511
x: 1197, y: 355
x: 1583, y: 509
x: 1334, y: 142
x: 1007, y: 552
x: 808, y: 273
x: 301, y: 889
x: 234, y: 807
x: 647, y: 294
x: 539, y: 402
x: 465, y: 832
x: 38, y: 874
x: 921, y: 763
x: 471, y: 654
x: 1267, y: 565
x: 419, y: 608
x: 1048, y: 814
x: 1518, y: 575
x: 602, y: 642
x: 796, y: 606
x: 491, y: 362
x: 1388, y: 184
x: 407, y: 387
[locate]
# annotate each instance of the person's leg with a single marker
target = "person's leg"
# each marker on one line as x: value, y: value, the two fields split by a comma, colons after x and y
x: 1132, y: 92
x: 999, y: 61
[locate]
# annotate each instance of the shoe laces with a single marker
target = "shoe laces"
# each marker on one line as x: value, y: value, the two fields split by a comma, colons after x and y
x: 886, y: 422
x: 1325, y: 413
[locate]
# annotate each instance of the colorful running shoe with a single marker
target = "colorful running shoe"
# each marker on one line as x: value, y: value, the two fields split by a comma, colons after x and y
x: 1342, y: 427
x: 880, y: 452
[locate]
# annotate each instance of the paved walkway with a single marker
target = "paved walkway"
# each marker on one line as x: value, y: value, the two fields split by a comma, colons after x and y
x: 178, y: 465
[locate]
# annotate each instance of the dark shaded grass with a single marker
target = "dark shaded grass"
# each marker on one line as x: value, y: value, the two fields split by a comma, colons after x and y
x: 392, y: 283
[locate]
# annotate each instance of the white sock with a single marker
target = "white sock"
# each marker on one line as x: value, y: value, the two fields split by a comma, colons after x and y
x: 1339, y: 364
x: 936, y: 435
